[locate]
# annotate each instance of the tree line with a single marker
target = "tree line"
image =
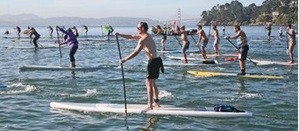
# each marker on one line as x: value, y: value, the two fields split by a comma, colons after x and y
x: 277, y: 12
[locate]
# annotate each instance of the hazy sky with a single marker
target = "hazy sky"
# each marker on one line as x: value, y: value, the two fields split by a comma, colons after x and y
x: 154, y: 9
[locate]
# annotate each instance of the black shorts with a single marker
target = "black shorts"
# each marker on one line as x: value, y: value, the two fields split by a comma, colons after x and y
x: 164, y: 37
x: 153, y: 68
x: 186, y: 46
x: 243, y: 52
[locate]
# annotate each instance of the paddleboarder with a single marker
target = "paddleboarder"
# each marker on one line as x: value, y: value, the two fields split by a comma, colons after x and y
x: 291, y: 36
x: 73, y: 42
x: 146, y: 42
x: 85, y: 29
x: 186, y: 43
x: 18, y: 30
x: 36, y: 36
x: 268, y: 28
x: 164, y: 37
x: 204, y: 39
x: 242, y: 45
x: 6, y: 32
x: 217, y: 39
x: 110, y: 31
x: 280, y: 32
x: 51, y: 31
x: 223, y: 30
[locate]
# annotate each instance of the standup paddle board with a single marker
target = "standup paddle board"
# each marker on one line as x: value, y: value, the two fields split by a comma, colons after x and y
x: 140, y: 109
x: 182, y: 58
x: 38, y: 67
x: 40, y: 47
x: 263, y: 62
x: 248, y: 75
x: 204, y: 61
x: 213, y: 55
x: 178, y: 63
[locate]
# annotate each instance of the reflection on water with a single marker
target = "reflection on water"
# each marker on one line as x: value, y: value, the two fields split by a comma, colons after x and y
x: 150, y: 124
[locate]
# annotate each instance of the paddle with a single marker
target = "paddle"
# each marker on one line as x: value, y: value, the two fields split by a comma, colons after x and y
x: 58, y: 42
x: 210, y: 30
x: 238, y: 49
x: 287, y: 42
x: 40, y: 44
x: 178, y: 40
x: 123, y: 76
x: 195, y: 42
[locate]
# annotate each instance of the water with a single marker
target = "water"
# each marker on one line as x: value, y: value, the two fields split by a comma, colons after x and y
x: 25, y: 103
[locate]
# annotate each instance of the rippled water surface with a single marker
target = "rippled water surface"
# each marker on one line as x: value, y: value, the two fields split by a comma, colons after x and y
x: 25, y: 102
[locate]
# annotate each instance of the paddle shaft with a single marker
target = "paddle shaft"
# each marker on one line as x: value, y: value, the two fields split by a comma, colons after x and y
x: 123, y: 76
x: 287, y: 42
x: 238, y: 50
x: 209, y: 31
x: 195, y: 42
x: 178, y: 40
x: 59, y: 43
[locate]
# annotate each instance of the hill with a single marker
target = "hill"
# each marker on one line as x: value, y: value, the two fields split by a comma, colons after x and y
x: 34, y: 20
x: 278, y: 12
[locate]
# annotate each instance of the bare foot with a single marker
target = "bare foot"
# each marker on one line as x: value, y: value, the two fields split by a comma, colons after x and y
x: 291, y: 62
x: 149, y: 107
x: 156, y: 104
x: 184, y: 61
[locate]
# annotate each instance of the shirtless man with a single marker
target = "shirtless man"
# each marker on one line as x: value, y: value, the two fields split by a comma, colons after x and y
x: 185, y: 42
x: 243, y: 47
x: 217, y: 39
x: 164, y: 36
x: 204, y: 39
x: 291, y: 36
x: 146, y: 42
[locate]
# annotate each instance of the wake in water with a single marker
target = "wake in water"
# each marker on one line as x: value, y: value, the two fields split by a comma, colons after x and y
x: 17, y: 88
x: 89, y: 92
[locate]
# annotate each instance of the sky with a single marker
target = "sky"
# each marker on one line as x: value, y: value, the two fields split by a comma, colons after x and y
x: 161, y: 10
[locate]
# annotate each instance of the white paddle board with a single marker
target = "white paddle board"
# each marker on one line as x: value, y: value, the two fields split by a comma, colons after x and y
x: 140, y: 109
x: 38, y: 67
x: 263, y: 62
x: 179, y: 51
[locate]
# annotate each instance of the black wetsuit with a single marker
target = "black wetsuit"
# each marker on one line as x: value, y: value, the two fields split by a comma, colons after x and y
x: 36, y: 37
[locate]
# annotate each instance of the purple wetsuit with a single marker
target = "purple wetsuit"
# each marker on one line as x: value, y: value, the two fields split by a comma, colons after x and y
x: 73, y: 42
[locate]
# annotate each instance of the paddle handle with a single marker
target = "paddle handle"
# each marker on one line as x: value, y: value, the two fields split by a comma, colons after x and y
x: 123, y: 76
x: 238, y: 50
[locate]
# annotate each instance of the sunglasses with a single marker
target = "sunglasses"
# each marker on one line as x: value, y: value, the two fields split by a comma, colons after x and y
x: 138, y: 28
